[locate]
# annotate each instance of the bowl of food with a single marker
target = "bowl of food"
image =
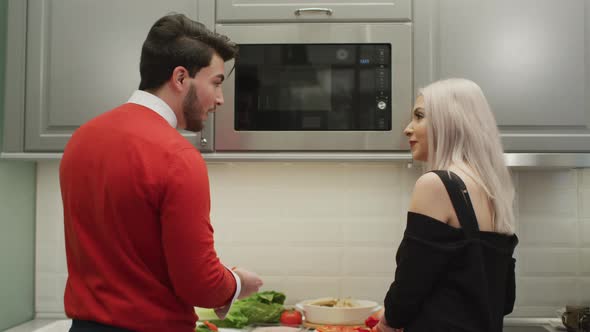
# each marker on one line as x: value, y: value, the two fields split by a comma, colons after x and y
x: 335, y: 311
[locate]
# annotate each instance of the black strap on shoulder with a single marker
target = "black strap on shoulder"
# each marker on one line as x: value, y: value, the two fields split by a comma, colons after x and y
x: 461, y: 202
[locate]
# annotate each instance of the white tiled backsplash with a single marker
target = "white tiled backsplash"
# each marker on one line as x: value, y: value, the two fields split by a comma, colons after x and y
x: 332, y: 229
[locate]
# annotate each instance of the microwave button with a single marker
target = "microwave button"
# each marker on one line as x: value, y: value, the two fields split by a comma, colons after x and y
x: 342, y: 54
x: 381, y: 105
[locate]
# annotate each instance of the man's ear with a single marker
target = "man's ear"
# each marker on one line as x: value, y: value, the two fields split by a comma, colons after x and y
x: 179, y: 74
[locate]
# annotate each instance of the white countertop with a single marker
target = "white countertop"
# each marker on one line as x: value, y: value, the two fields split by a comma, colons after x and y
x: 33, y: 325
x: 62, y: 325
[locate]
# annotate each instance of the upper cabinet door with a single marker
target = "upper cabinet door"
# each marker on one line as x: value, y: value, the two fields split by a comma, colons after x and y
x: 530, y: 57
x: 83, y: 60
x: 317, y: 11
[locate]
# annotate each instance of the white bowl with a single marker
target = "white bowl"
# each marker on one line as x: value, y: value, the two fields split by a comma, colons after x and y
x: 318, y: 314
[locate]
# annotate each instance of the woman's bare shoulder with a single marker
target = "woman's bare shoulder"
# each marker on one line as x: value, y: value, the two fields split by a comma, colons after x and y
x: 430, y: 198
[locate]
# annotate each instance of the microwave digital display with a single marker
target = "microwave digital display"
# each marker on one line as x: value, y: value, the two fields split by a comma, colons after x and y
x: 313, y: 87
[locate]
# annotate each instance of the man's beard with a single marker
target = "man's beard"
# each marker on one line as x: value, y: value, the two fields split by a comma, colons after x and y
x: 192, y: 113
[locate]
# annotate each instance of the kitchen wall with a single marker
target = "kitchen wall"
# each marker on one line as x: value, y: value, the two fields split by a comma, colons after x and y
x: 331, y: 229
x: 17, y: 205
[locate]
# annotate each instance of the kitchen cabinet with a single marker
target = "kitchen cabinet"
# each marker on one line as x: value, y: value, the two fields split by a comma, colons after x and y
x: 531, y: 58
x: 317, y: 11
x: 82, y: 59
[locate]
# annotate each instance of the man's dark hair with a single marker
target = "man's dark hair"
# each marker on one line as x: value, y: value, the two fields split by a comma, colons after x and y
x: 175, y: 40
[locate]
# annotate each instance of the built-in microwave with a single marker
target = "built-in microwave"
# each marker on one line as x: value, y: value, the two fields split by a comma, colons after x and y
x: 317, y: 87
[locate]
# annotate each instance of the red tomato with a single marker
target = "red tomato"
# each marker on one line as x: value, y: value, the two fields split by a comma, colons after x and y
x: 291, y: 317
x: 371, y: 321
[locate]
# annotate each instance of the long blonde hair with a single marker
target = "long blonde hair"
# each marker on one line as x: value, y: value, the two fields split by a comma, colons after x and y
x: 462, y: 131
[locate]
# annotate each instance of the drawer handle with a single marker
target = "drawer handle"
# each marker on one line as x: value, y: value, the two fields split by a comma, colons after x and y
x: 327, y: 11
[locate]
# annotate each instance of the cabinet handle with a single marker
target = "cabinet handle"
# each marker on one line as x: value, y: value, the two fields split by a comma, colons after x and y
x: 327, y: 11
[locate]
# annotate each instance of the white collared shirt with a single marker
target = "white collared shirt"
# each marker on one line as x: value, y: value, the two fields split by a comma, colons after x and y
x: 154, y: 103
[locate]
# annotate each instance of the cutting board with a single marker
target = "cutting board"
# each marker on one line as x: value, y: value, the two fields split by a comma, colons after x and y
x: 315, y: 326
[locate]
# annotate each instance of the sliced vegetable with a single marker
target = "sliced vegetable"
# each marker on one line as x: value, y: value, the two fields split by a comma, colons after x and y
x: 338, y: 328
x: 211, y: 326
x: 206, y: 326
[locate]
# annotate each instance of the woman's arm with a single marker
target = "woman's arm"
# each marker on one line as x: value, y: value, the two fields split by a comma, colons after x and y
x: 430, y: 198
x: 510, y: 296
x: 420, y: 262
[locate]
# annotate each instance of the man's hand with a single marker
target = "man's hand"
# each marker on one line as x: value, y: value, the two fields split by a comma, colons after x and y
x: 251, y: 282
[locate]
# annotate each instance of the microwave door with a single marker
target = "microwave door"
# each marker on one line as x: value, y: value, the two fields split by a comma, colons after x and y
x: 317, y: 87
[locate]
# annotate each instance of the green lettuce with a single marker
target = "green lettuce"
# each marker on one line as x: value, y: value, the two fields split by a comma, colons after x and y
x: 262, y: 307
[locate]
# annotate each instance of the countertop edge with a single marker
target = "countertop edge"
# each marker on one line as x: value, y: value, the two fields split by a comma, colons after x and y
x: 44, y: 320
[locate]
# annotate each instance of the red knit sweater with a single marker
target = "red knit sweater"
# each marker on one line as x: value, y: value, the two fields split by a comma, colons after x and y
x: 139, y: 242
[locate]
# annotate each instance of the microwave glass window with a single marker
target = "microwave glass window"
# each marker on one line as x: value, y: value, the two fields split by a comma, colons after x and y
x: 313, y: 87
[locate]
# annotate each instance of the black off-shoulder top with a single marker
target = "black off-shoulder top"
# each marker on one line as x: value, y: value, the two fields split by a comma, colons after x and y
x: 451, y: 279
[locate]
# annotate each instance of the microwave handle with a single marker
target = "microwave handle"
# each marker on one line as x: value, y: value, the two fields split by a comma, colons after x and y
x: 300, y: 11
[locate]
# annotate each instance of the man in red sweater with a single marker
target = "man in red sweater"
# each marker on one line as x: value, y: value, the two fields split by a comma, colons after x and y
x: 139, y: 242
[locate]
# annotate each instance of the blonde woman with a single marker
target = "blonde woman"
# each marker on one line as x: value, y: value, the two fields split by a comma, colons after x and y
x: 455, y: 270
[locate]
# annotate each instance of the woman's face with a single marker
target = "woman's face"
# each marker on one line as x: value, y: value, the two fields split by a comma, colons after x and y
x: 416, y: 131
